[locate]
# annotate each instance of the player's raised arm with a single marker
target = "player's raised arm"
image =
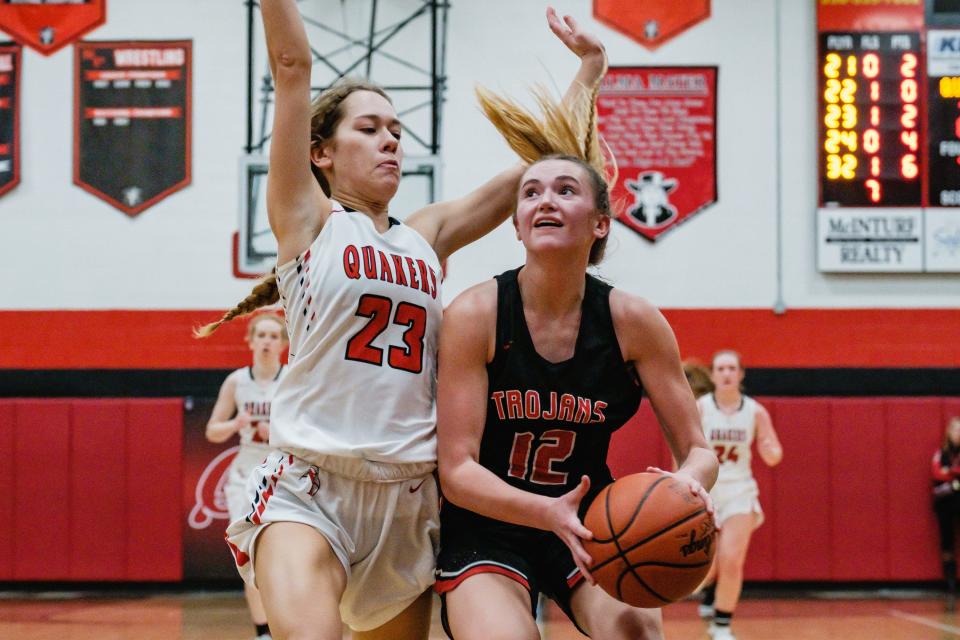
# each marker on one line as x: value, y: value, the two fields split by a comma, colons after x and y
x: 296, y: 205
x: 453, y: 224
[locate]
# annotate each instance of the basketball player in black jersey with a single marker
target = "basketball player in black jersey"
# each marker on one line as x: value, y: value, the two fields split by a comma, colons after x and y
x: 537, y: 369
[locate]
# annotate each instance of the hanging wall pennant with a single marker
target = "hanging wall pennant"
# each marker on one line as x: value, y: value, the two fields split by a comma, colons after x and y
x: 660, y: 123
x: 132, y: 121
x: 10, y: 56
x: 47, y: 25
x: 651, y: 22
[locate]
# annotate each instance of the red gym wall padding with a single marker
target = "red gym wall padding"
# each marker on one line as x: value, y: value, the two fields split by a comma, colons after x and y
x: 93, y: 490
x: 851, y: 499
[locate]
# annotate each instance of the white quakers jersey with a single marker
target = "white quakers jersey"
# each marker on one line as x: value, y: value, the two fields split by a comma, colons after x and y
x: 363, y: 313
x: 730, y: 436
x: 255, y: 398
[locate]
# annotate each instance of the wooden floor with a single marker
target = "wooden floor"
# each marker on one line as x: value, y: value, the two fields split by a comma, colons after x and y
x: 221, y: 616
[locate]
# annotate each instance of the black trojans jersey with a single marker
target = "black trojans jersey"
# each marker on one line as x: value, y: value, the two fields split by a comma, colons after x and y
x: 550, y: 423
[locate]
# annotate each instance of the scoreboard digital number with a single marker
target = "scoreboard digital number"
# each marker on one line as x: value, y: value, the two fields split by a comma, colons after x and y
x: 888, y: 141
x: 871, y: 124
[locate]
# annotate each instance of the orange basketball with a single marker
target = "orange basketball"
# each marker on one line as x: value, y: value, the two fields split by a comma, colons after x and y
x: 653, y: 541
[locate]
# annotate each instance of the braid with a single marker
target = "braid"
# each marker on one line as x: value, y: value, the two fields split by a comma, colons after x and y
x: 264, y: 292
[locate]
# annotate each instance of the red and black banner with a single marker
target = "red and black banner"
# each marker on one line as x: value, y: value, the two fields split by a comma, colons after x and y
x: 651, y: 22
x: 205, y: 518
x: 132, y: 121
x: 47, y: 25
x: 10, y: 56
x: 660, y: 123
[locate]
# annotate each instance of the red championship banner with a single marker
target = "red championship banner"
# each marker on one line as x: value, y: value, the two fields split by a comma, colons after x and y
x: 651, y: 22
x: 132, y: 121
x: 660, y: 123
x: 10, y: 56
x: 47, y: 25
x: 205, y: 518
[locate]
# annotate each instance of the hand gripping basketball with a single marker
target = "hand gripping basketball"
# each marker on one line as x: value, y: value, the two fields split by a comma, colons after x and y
x: 653, y: 538
x: 564, y: 521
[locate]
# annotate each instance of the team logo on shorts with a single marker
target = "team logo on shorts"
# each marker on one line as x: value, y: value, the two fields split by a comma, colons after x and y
x: 314, y: 474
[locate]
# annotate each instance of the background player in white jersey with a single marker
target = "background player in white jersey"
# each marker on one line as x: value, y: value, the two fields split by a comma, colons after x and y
x: 731, y: 422
x: 243, y: 408
x: 343, y: 524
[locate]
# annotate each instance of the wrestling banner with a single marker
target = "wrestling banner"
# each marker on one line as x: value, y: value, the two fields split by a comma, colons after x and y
x: 10, y: 56
x: 132, y: 121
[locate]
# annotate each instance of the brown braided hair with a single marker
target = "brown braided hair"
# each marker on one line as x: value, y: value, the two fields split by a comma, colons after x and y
x: 264, y: 292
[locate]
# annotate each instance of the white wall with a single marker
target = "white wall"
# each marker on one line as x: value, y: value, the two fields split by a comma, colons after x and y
x: 63, y: 248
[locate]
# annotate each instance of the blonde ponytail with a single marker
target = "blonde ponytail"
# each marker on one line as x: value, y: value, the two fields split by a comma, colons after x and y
x: 264, y: 292
x: 565, y: 129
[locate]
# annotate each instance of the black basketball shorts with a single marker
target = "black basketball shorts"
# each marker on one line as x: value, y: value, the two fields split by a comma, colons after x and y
x: 536, y: 559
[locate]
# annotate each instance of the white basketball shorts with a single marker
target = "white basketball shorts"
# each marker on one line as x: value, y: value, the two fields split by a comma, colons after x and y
x: 737, y: 497
x: 386, y: 534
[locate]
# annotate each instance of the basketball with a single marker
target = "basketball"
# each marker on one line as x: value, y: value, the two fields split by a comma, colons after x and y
x: 653, y: 541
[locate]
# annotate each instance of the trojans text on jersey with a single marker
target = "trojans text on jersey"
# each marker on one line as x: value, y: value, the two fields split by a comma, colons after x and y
x: 566, y: 407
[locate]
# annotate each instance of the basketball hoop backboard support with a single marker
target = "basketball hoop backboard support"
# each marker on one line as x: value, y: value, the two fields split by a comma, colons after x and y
x: 399, y: 45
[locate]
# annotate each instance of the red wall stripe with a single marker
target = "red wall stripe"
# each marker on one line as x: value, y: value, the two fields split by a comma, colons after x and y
x: 800, y: 338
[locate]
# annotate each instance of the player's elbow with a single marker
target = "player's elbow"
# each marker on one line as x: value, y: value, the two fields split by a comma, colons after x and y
x: 213, y: 436
x: 291, y: 64
x: 451, y: 480
x: 773, y: 456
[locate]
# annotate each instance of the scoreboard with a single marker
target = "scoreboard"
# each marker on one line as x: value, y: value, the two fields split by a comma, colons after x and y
x: 889, y: 135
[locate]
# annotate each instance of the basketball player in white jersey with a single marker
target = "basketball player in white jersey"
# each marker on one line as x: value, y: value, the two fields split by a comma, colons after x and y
x: 731, y: 422
x: 243, y: 409
x: 343, y: 524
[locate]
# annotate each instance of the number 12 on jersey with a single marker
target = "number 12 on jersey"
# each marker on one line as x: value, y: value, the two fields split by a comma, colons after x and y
x: 554, y: 445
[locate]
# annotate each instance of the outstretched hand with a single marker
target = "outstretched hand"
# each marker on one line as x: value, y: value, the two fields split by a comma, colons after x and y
x: 576, y: 39
x: 564, y: 521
